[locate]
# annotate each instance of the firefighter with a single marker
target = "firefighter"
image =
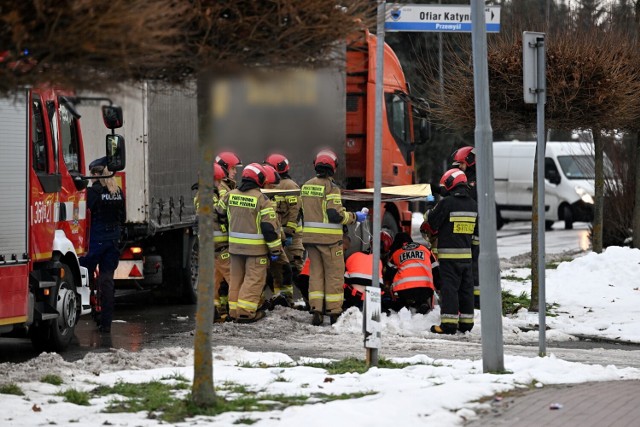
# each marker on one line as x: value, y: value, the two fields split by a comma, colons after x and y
x: 254, y: 239
x: 411, y: 275
x: 221, y: 249
x: 359, y: 271
x: 229, y: 162
x: 290, y: 215
x: 324, y: 217
x: 106, y: 203
x: 465, y: 159
x: 455, y: 220
x: 279, y: 277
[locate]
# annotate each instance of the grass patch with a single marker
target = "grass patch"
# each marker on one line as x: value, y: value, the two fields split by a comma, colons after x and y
x: 52, y: 379
x: 176, y: 377
x: 281, y: 379
x: 158, y: 400
x: 241, y: 364
x: 76, y: 396
x: 513, y: 278
x: 352, y: 364
x: 511, y: 303
x: 11, y: 388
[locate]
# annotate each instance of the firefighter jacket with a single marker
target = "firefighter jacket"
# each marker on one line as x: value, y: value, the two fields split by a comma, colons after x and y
x: 359, y: 269
x: 455, y: 218
x: 107, y: 212
x: 288, y: 207
x: 225, y: 186
x: 252, y: 223
x: 324, y: 214
x: 220, y: 234
x: 412, y: 266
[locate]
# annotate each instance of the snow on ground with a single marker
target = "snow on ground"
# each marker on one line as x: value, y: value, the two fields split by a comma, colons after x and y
x: 428, y: 392
x: 597, y: 295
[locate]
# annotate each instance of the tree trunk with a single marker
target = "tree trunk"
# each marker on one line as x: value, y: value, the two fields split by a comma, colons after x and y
x: 203, y: 393
x: 636, y: 206
x: 598, y: 207
x: 535, y: 250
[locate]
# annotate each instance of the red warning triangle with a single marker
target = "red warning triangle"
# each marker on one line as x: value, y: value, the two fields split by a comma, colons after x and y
x: 135, y: 272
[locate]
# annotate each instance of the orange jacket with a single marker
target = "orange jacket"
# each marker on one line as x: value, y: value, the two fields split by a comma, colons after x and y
x: 413, y: 262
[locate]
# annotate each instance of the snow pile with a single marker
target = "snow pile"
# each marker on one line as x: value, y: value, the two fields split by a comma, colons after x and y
x: 598, y: 295
x: 428, y: 392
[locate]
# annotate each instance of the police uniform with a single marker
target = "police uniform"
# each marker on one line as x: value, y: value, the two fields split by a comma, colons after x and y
x: 454, y: 218
x: 253, y: 237
x: 324, y: 217
x: 107, y: 215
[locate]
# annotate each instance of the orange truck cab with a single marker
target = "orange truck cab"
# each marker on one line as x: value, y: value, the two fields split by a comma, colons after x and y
x: 45, y: 224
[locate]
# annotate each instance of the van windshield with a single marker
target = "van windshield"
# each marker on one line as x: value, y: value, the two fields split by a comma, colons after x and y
x: 583, y: 167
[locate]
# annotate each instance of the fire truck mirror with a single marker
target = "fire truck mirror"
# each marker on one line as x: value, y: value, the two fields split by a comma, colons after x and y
x: 112, y: 116
x: 115, y: 152
x: 424, y: 131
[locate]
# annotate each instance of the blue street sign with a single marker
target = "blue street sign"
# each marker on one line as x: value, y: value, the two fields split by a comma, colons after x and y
x: 437, y: 18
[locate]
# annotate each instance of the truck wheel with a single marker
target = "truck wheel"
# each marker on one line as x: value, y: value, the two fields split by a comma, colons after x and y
x: 389, y: 224
x: 567, y: 216
x: 56, y: 334
x: 191, y: 274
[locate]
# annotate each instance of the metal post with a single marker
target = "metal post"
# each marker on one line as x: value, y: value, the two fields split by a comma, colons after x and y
x: 440, y: 66
x: 490, y: 290
x: 541, y: 87
x: 372, y: 353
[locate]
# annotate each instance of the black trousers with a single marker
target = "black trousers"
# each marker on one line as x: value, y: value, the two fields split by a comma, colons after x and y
x: 456, y: 292
x: 414, y: 297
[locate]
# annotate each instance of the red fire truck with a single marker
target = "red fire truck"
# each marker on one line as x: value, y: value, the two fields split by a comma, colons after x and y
x: 44, y: 226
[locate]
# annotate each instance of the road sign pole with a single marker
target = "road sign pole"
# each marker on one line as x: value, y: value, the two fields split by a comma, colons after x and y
x: 372, y: 353
x: 490, y: 290
x: 542, y: 97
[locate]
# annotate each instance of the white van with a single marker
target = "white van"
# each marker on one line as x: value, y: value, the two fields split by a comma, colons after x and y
x: 569, y: 181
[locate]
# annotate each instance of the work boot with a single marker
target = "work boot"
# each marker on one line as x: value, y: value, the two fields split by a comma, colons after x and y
x: 219, y: 317
x: 442, y: 329
x: 318, y: 319
x: 465, y: 327
x: 423, y: 309
x: 245, y: 319
x: 333, y: 318
x: 281, y: 299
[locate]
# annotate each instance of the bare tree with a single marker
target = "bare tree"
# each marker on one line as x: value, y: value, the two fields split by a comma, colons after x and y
x: 93, y: 45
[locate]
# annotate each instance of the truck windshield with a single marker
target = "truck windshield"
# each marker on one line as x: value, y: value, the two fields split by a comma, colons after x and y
x: 69, y: 134
x: 583, y: 167
x: 399, y: 123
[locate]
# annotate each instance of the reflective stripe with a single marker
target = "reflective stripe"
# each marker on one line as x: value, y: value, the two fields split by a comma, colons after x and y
x: 466, y: 318
x: 435, y: 264
x: 348, y: 275
x: 454, y: 256
x: 346, y: 218
x: 333, y: 197
x: 414, y: 264
x: 454, y: 253
x: 322, y: 231
x: 246, y: 238
x: 291, y: 224
x: 221, y: 239
x: 464, y: 213
x: 413, y: 279
x: 334, y: 297
x: 216, y: 302
x: 266, y: 211
x: 461, y: 219
x: 316, y: 295
x: 233, y: 305
x: 274, y: 244
x: 447, y: 320
x: 245, y: 235
x: 247, y: 305
x: 322, y: 225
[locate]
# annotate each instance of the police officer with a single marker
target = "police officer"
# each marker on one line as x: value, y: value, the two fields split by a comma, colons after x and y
x: 254, y: 239
x: 455, y: 219
x: 324, y: 217
x: 106, y: 203
x: 465, y: 159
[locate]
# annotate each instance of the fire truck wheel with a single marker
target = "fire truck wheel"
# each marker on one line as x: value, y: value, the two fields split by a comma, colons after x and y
x: 56, y: 334
x: 190, y: 282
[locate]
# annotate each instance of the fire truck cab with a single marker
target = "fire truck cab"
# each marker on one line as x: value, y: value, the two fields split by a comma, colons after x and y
x: 44, y: 226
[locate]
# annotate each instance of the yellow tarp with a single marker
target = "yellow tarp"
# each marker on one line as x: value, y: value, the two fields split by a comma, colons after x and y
x: 395, y: 193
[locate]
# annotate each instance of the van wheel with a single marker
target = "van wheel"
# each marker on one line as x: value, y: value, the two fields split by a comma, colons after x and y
x: 499, y: 220
x: 567, y: 216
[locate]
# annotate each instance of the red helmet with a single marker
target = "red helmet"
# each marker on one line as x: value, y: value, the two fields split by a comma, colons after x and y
x: 385, y: 241
x: 327, y: 158
x: 218, y: 172
x: 228, y: 160
x: 271, y: 175
x: 466, y: 155
x: 279, y: 162
x: 452, y: 178
x: 256, y: 173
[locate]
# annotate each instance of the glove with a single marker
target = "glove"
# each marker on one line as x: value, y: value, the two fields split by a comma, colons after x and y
x: 288, y: 241
x: 361, y: 216
x: 430, y: 199
x: 274, y: 257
